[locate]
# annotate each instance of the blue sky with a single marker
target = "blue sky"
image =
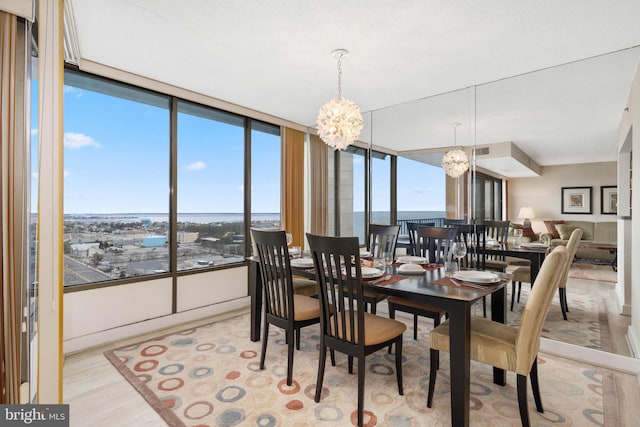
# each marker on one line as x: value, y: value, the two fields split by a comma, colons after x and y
x: 116, y: 160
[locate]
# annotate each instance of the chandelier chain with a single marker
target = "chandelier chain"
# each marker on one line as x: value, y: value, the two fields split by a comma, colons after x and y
x: 339, y: 77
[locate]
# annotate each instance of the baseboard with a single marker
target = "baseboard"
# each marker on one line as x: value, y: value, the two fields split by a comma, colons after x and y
x: 102, y: 338
x: 592, y: 356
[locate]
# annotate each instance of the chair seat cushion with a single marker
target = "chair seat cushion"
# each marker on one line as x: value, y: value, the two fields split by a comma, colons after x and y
x: 491, y: 342
x: 377, y: 329
x: 306, y: 307
x: 495, y: 264
x: 413, y: 304
x: 521, y: 274
x: 304, y: 286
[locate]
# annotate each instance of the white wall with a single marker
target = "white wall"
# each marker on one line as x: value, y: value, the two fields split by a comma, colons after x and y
x: 99, y: 316
x: 544, y: 193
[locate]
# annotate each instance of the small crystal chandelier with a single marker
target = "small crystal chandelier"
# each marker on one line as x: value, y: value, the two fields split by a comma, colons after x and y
x: 455, y: 162
x: 339, y: 120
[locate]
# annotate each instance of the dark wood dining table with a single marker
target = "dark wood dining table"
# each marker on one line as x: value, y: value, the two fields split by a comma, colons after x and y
x: 427, y: 288
x: 534, y: 253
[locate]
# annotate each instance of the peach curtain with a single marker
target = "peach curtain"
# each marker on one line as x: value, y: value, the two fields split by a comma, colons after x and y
x: 319, y: 197
x: 14, y: 182
x: 292, y: 198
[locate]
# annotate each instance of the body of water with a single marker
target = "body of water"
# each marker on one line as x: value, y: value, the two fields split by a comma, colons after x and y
x: 208, y: 218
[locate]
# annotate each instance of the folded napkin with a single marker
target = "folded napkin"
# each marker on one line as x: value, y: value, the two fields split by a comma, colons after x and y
x: 410, y: 268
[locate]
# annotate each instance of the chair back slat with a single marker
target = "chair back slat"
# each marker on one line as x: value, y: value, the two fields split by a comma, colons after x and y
x: 434, y: 243
x: 275, y: 272
x: 339, y: 277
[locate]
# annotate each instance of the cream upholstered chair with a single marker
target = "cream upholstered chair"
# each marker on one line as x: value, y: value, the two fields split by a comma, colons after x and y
x: 283, y: 308
x: 344, y: 325
x: 514, y: 349
x: 523, y: 274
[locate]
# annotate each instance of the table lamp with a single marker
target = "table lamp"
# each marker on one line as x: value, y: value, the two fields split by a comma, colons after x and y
x: 526, y: 213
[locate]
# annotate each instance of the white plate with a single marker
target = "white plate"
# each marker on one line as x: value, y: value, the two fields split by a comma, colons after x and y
x: 408, y: 259
x: 302, y: 262
x: 477, y: 276
x: 410, y: 269
x: 368, y: 272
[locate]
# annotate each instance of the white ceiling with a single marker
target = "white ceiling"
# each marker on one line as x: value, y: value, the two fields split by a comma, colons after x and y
x: 414, y: 66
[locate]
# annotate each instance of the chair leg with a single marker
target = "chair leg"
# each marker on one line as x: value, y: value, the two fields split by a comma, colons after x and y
x: 333, y: 357
x: 321, y: 363
x: 290, y: 346
x: 350, y: 364
x: 563, y: 306
x: 513, y: 294
x: 519, y: 290
x: 564, y: 297
x: 298, y: 339
x: 415, y: 327
x: 361, y: 368
x: 434, y: 356
x: 374, y: 307
x: 265, y: 336
x: 484, y: 306
x: 392, y: 315
x: 535, y: 387
x: 522, y: 400
x: 399, y: 365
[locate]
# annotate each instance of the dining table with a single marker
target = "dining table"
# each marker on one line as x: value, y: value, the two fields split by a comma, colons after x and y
x: 434, y: 288
x: 534, y: 252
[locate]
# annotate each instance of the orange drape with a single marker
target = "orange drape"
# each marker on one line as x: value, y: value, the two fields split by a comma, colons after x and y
x: 292, y: 198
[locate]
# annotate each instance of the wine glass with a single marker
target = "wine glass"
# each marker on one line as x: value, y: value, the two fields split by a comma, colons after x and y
x: 459, y: 250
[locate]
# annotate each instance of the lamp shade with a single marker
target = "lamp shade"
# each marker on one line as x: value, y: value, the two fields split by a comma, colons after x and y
x: 526, y: 212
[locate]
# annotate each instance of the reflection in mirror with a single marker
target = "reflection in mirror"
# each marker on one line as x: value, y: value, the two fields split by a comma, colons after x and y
x: 559, y: 116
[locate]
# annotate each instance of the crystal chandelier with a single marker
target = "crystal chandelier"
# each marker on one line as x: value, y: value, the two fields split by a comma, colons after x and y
x: 339, y: 120
x: 455, y: 162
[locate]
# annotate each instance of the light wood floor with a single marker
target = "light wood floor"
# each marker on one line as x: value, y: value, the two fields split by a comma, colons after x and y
x: 99, y: 396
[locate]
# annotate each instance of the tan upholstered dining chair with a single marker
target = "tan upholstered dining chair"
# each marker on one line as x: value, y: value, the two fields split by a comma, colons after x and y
x: 523, y: 274
x: 283, y: 308
x: 514, y: 349
x: 344, y: 325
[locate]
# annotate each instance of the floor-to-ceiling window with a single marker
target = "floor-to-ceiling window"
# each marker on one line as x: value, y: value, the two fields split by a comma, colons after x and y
x: 380, y: 188
x: 265, y: 175
x: 210, y: 187
x: 116, y: 180
x: 488, y: 197
x: 420, y: 190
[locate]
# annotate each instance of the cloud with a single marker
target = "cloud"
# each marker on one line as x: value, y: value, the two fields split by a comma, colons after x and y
x: 66, y: 173
x: 196, y: 166
x: 79, y: 140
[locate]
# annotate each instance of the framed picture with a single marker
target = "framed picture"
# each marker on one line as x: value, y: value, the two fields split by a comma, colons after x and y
x: 576, y: 200
x: 609, y: 200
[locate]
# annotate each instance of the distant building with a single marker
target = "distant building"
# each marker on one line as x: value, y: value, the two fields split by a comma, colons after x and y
x: 153, y: 241
x: 84, y: 250
x: 187, y: 236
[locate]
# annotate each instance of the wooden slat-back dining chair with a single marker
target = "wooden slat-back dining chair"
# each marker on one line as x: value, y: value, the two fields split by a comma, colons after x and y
x: 510, y: 348
x: 523, y: 274
x: 498, y: 231
x: 412, y: 231
x: 344, y: 325
x: 283, y: 308
x: 383, y: 240
x: 433, y: 243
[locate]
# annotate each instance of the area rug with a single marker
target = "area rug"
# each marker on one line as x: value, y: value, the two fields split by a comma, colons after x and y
x: 209, y: 376
x: 586, y: 271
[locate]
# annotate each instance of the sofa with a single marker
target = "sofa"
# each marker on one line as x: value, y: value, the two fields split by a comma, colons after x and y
x: 593, y: 233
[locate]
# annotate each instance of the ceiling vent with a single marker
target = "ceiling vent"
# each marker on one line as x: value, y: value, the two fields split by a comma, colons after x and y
x: 483, y: 151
